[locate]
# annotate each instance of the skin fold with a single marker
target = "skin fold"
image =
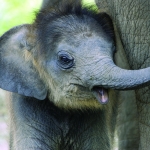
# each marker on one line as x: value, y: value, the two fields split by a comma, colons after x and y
x: 63, y: 73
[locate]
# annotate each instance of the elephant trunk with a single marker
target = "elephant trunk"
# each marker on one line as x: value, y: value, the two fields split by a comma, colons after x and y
x: 111, y: 76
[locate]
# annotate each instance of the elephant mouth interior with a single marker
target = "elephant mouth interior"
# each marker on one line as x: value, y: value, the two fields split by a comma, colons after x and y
x: 101, y: 94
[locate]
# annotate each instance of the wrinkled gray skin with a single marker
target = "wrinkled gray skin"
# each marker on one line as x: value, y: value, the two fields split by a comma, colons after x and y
x: 70, y: 117
x: 131, y: 18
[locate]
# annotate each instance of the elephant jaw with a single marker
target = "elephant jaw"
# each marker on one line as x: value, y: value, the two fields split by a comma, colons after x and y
x: 101, y: 94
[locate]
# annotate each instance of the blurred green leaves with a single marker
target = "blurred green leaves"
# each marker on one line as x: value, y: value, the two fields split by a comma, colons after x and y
x: 16, y: 12
x: 88, y: 2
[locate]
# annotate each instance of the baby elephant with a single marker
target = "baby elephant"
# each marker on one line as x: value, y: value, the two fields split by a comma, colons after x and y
x: 60, y: 71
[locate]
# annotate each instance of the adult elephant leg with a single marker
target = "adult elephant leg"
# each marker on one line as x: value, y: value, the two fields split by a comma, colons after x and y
x: 127, y: 120
x: 132, y: 20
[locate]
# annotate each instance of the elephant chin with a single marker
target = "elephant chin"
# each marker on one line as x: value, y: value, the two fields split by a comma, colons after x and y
x: 101, y: 94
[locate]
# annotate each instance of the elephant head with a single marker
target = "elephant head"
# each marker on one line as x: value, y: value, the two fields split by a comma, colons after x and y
x: 67, y: 56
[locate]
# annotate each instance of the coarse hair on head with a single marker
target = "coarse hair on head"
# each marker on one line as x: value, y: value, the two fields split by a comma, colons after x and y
x: 50, y: 25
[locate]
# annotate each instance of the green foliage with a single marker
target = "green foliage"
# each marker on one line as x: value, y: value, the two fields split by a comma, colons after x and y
x: 89, y: 2
x: 16, y: 12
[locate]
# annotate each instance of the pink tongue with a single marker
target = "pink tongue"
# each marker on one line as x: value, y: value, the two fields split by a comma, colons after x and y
x: 103, y: 95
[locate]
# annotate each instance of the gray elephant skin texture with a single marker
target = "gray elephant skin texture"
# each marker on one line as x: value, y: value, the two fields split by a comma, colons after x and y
x: 60, y: 73
x: 131, y: 18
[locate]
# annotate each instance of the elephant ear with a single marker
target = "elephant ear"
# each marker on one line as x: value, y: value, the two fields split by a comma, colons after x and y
x: 16, y: 73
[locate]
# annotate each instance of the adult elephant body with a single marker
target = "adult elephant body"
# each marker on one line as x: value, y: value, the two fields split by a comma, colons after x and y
x: 132, y: 21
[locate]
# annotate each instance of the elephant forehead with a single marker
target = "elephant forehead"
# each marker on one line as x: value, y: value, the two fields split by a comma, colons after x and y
x: 85, y: 45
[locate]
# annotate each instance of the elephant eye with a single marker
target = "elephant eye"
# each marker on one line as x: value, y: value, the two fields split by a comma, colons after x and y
x: 65, y: 60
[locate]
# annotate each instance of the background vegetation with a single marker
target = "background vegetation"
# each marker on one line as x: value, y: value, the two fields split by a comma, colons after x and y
x: 15, y: 12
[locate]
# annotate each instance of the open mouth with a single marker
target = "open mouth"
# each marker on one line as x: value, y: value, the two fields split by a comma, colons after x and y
x: 101, y: 94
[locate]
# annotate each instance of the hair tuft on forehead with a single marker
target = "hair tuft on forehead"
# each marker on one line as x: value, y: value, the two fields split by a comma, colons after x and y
x: 75, y: 8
